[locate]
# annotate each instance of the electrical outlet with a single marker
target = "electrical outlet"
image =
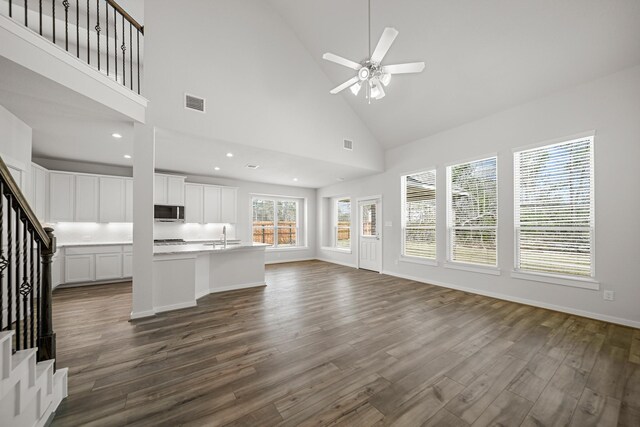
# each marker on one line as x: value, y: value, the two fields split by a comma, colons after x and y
x: 396, y: 261
x: 608, y: 295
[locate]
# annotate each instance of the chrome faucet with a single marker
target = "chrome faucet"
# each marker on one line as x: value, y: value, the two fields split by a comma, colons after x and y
x: 224, y: 236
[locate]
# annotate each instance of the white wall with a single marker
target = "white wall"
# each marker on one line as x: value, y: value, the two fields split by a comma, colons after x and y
x: 15, y: 146
x: 611, y: 106
x: 262, y: 87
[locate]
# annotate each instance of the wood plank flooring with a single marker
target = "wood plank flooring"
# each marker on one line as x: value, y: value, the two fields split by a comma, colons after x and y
x: 329, y: 345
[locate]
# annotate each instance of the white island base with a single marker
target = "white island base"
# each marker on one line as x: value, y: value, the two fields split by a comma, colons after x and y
x: 182, y: 274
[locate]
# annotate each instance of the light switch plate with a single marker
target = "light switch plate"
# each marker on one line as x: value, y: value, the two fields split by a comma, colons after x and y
x: 608, y: 295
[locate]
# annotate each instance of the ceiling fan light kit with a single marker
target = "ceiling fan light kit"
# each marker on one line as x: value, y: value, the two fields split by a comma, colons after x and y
x: 371, y: 71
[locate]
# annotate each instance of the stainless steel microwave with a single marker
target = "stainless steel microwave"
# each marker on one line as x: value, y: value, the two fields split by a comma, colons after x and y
x: 164, y: 213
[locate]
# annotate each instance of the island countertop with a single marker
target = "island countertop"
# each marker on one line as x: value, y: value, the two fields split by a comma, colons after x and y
x: 203, y: 247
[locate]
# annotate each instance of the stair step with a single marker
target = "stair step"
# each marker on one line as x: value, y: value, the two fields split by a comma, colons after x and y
x: 21, y: 356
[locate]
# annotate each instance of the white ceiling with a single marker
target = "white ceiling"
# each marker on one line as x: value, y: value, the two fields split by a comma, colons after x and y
x: 481, y: 56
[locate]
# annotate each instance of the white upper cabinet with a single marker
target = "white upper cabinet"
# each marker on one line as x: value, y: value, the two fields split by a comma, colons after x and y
x: 211, y: 204
x: 128, y: 199
x: 61, y: 197
x: 112, y: 199
x: 39, y: 181
x: 193, y: 198
x: 86, y: 198
x: 169, y: 190
x: 228, y: 201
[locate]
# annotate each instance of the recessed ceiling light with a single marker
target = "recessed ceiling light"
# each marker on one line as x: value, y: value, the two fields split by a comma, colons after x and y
x: 295, y: 179
x: 216, y: 168
x: 229, y: 154
x: 116, y: 135
x: 252, y: 166
x: 127, y: 156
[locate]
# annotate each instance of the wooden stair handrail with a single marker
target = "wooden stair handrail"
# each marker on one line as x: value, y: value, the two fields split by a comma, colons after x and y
x: 18, y: 197
x: 128, y: 17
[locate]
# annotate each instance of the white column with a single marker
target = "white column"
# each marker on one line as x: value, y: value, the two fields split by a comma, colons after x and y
x: 143, y: 169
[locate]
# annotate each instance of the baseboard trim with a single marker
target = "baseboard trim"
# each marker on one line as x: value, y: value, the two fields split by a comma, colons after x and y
x: 346, y: 264
x: 171, y: 307
x: 525, y: 301
x: 284, y: 261
x: 142, y: 314
x: 237, y: 287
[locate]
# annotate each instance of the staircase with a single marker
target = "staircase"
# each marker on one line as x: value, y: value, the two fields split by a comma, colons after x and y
x: 30, y: 392
x: 30, y: 386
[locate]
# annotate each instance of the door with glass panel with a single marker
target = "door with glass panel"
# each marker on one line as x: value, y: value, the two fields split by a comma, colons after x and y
x: 370, y: 242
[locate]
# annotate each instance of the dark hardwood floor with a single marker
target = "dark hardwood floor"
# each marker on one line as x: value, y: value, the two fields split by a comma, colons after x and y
x: 325, y: 344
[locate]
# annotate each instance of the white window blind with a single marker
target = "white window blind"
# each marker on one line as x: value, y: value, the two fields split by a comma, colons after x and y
x: 472, y: 214
x: 275, y: 222
x: 343, y: 224
x: 554, y: 206
x: 419, y: 215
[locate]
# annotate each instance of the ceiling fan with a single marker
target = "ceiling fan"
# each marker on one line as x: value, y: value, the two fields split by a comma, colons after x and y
x: 371, y: 73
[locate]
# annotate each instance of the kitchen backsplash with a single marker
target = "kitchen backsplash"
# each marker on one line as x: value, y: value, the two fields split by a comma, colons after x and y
x: 80, y: 232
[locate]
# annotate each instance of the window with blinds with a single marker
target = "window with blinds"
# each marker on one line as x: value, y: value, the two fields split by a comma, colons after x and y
x: 343, y: 224
x: 554, y: 207
x: 419, y: 215
x: 472, y: 212
x: 275, y: 222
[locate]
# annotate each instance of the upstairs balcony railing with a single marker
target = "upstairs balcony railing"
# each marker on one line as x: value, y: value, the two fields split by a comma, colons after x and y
x: 98, y: 32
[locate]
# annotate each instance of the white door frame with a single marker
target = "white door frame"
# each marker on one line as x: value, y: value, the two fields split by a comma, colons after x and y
x: 377, y: 197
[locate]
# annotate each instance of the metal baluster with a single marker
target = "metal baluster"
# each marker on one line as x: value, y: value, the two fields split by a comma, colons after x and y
x: 98, y: 29
x: 10, y: 9
x: 18, y: 277
x: 77, y: 29
x: 24, y: 286
x: 39, y: 286
x: 9, y: 260
x: 32, y: 340
x: 65, y: 3
x: 115, y: 42
x: 88, y: 41
x: 106, y: 24
x: 138, y: 58
x: 53, y: 19
x: 130, y: 56
x: 3, y: 260
x: 40, y: 18
x: 124, y: 55
x: 26, y: 10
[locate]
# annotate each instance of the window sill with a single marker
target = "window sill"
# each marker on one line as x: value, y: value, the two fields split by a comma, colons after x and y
x: 285, y: 249
x: 576, y: 282
x: 495, y: 271
x: 332, y: 249
x: 416, y: 260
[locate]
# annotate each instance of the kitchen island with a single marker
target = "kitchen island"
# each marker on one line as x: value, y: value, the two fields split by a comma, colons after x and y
x: 184, y: 273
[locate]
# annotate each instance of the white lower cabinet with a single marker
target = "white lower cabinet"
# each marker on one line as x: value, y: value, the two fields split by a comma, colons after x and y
x: 127, y: 265
x: 108, y: 266
x: 79, y: 268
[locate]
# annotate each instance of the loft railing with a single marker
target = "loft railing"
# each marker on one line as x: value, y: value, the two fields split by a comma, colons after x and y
x: 26, y: 250
x: 98, y: 32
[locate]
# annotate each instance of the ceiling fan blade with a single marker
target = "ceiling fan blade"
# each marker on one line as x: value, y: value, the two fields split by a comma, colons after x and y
x: 413, y: 67
x: 344, y: 85
x: 387, y: 38
x: 381, y: 89
x: 342, y: 61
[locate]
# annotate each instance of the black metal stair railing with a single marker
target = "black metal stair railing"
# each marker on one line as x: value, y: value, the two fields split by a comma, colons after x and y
x: 105, y: 23
x: 26, y: 252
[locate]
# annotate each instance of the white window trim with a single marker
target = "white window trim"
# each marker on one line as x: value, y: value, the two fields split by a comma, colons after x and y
x: 403, y: 198
x: 449, y: 262
x: 334, y: 224
x: 558, y: 279
x: 275, y: 199
x: 334, y: 249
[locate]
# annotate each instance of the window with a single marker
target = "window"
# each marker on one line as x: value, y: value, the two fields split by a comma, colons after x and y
x: 343, y: 224
x: 419, y: 215
x: 472, y: 214
x: 368, y: 223
x: 275, y: 222
x: 554, y: 221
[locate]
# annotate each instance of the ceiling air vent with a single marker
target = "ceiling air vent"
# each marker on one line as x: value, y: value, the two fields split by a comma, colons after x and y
x: 253, y: 166
x: 193, y: 103
x: 347, y: 144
